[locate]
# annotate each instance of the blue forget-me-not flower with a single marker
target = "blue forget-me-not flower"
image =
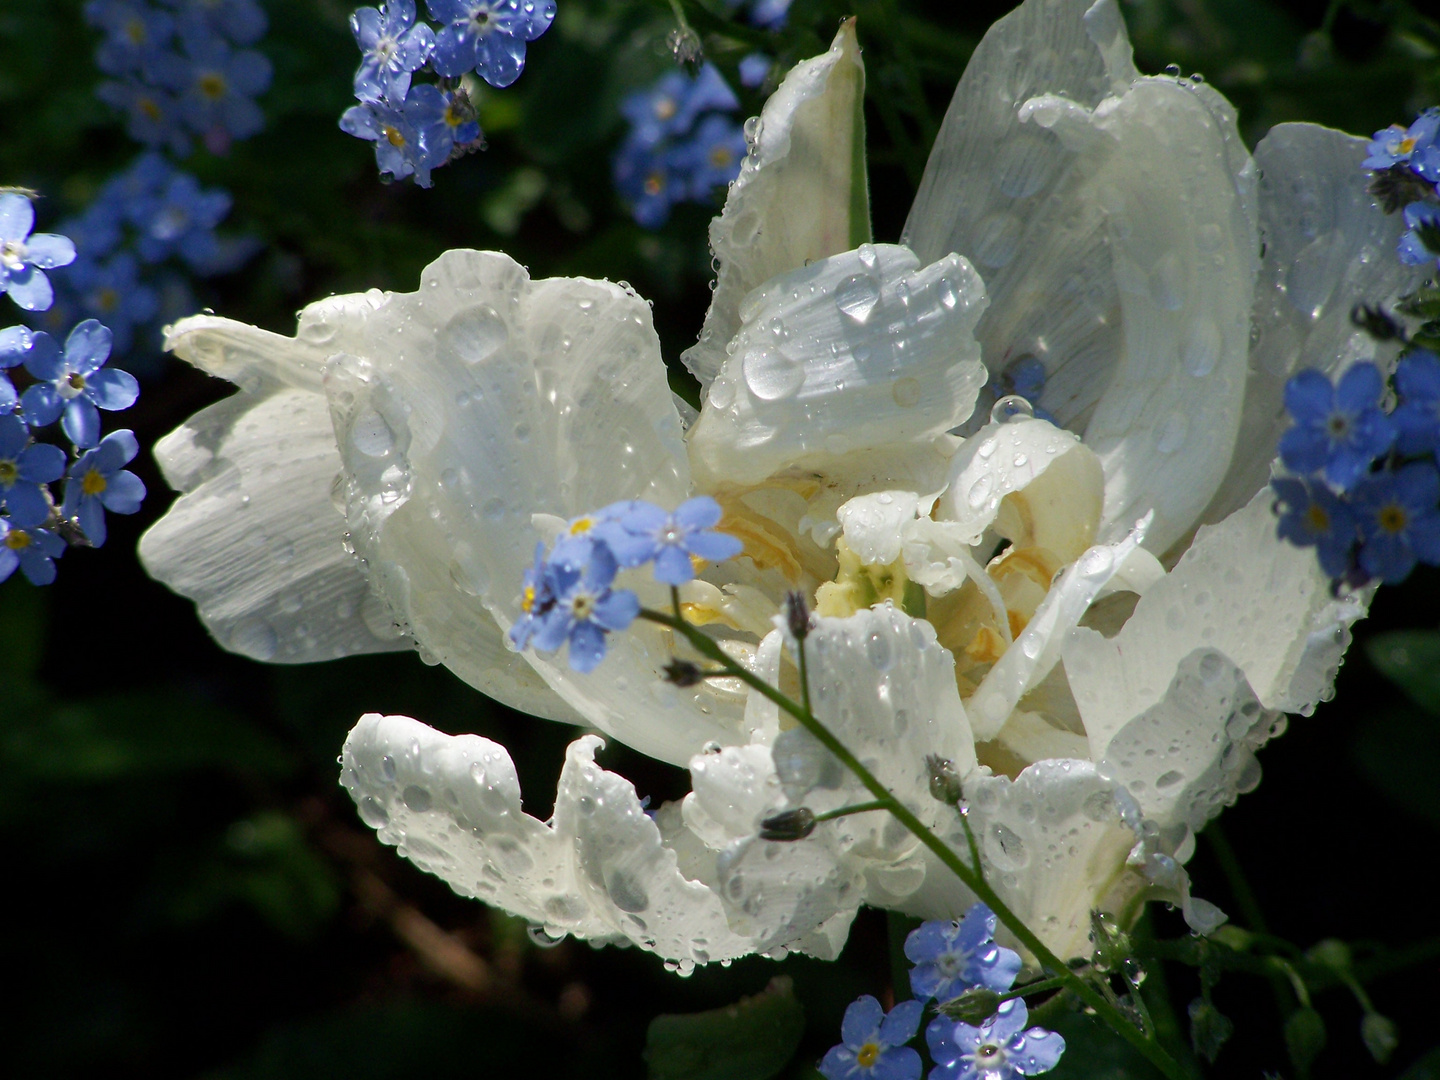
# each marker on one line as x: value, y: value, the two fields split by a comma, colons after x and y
x: 673, y: 104
x: 25, y: 469
x: 487, y: 36
x: 952, y: 957
x: 74, y: 383
x: 1399, y: 520
x: 398, y: 152
x: 638, y: 532
x: 537, y: 597
x: 32, y: 550
x: 999, y: 1049
x: 135, y: 35
x: 873, y: 1042
x: 1311, y: 515
x: 242, y: 21
x: 112, y: 292
x: 99, y: 481
x: 1339, y: 429
x: 446, y: 123
x: 216, y: 84
x: 1417, y: 146
x: 712, y: 157
x: 1417, y: 418
x: 24, y: 257
x: 586, y: 608
x: 392, y: 46
x: 179, y: 219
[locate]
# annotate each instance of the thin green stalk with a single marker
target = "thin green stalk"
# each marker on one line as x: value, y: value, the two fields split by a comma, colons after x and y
x: 845, y: 811
x: 972, y: 880
x: 1040, y: 986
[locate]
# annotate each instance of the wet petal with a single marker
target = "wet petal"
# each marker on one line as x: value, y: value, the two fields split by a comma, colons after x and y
x: 860, y: 351
x: 801, y: 195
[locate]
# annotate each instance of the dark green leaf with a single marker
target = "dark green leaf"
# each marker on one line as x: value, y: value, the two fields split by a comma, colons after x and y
x: 1304, y: 1038
x: 1410, y: 659
x: 1094, y: 1052
x: 751, y: 1040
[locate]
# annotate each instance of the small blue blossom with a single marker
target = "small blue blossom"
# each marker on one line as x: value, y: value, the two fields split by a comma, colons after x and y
x: 712, y: 158
x: 76, y: 383
x: 574, y: 546
x: 671, y: 106
x: 98, y: 481
x: 446, y: 123
x: 179, y: 219
x: 872, y: 1043
x: 392, y: 46
x: 32, y: 550
x: 1399, y: 521
x: 242, y: 21
x: 537, y: 597
x: 216, y: 84
x: 398, y: 150
x: 1338, y: 429
x: 97, y: 231
x: 999, y: 1049
x: 769, y: 14
x: 1313, y: 515
x: 24, y: 257
x: 1411, y: 249
x: 152, y: 113
x: 15, y: 344
x: 132, y: 191
x: 637, y: 532
x: 952, y: 957
x: 754, y: 68
x: 651, y: 180
x: 1415, y: 146
x: 25, y: 469
x: 487, y: 36
x: 135, y: 35
x: 586, y: 608
x: 1417, y: 418
x: 112, y: 292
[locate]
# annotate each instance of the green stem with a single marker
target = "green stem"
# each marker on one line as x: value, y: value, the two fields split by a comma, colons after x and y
x: 971, y: 879
x: 1037, y: 987
x: 858, y: 808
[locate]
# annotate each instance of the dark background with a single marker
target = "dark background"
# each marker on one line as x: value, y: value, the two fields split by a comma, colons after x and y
x: 187, y: 890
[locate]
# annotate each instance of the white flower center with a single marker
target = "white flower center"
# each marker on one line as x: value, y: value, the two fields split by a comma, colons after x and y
x: 71, y: 386
x: 12, y: 254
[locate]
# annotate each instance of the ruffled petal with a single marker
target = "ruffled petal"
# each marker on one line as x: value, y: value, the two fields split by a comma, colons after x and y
x: 802, y: 193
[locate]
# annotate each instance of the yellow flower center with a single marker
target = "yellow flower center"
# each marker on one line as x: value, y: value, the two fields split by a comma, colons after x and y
x: 92, y: 483
x: 1317, y: 519
x: 149, y: 108
x: 107, y: 299
x: 1407, y: 145
x: 212, y: 85
x: 1393, y: 519
x: 580, y: 526
x: 868, y: 1055
x: 721, y: 156
x: 654, y: 183
x: 17, y: 540
x: 9, y: 472
x: 135, y: 31
x: 527, y: 599
x: 393, y: 136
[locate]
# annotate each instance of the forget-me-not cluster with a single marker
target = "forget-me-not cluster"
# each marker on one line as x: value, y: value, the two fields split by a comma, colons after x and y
x: 683, y: 144
x: 181, y: 69
x: 949, y: 958
x: 569, y: 596
x: 418, y: 127
x: 44, y: 383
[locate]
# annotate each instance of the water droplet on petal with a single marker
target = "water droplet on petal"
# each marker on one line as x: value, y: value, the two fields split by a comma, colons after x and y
x: 1010, y: 409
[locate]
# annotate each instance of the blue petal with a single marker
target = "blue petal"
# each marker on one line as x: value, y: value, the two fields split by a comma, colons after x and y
x: 701, y: 512
x: 81, y: 423
x: 91, y: 516
x: 41, y: 405
x: 88, y: 346
x: 27, y: 504
x: 1009, y: 1020
x: 30, y: 289
x: 1041, y: 1052
x: 112, y: 389
x: 454, y: 52
x: 47, y: 250
x: 673, y: 566
x: 44, y: 360
x: 8, y: 562
x: 900, y: 1026
x: 838, y: 1063
x: 616, y: 610
x: 900, y: 1063
x: 1309, y: 396
x: 42, y: 463
x: 123, y: 494
x: 36, y: 566
x: 14, y: 436
x: 500, y: 58
x: 587, y: 647
x: 862, y: 1021
x: 17, y: 217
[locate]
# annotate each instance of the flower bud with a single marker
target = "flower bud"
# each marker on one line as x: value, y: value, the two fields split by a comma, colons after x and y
x: 789, y: 825
x: 944, y: 780
x: 683, y: 673
x: 797, y: 615
x: 973, y: 1007
x: 1210, y: 1029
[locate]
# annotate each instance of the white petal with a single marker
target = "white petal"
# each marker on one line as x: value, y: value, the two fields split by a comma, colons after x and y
x: 1191, y: 753
x: 780, y: 893
x: 732, y: 791
x: 1116, y: 237
x: 874, y: 524
x: 1054, y: 483
x: 1039, y: 645
x: 255, y: 539
x: 1053, y: 847
x: 1328, y: 247
x: 801, y: 195
x: 859, y: 351
x: 485, y: 399
x: 1004, y: 194
x: 451, y: 804
x: 1288, y: 646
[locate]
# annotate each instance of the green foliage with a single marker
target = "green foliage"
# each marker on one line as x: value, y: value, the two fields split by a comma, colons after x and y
x: 1397, y: 749
x: 750, y: 1040
x: 1304, y: 1038
x: 1410, y: 659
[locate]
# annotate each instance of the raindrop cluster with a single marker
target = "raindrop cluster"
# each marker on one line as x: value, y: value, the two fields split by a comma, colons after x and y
x: 568, y: 596
x: 44, y: 384
x: 977, y: 1034
x: 1364, y: 488
x: 418, y: 127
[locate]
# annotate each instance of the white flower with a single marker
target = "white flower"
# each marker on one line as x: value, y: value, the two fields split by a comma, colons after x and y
x: 1096, y: 630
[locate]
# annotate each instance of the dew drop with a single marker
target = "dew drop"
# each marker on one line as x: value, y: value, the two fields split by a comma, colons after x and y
x: 1010, y: 409
x: 906, y: 391
x: 857, y: 296
x: 770, y: 374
